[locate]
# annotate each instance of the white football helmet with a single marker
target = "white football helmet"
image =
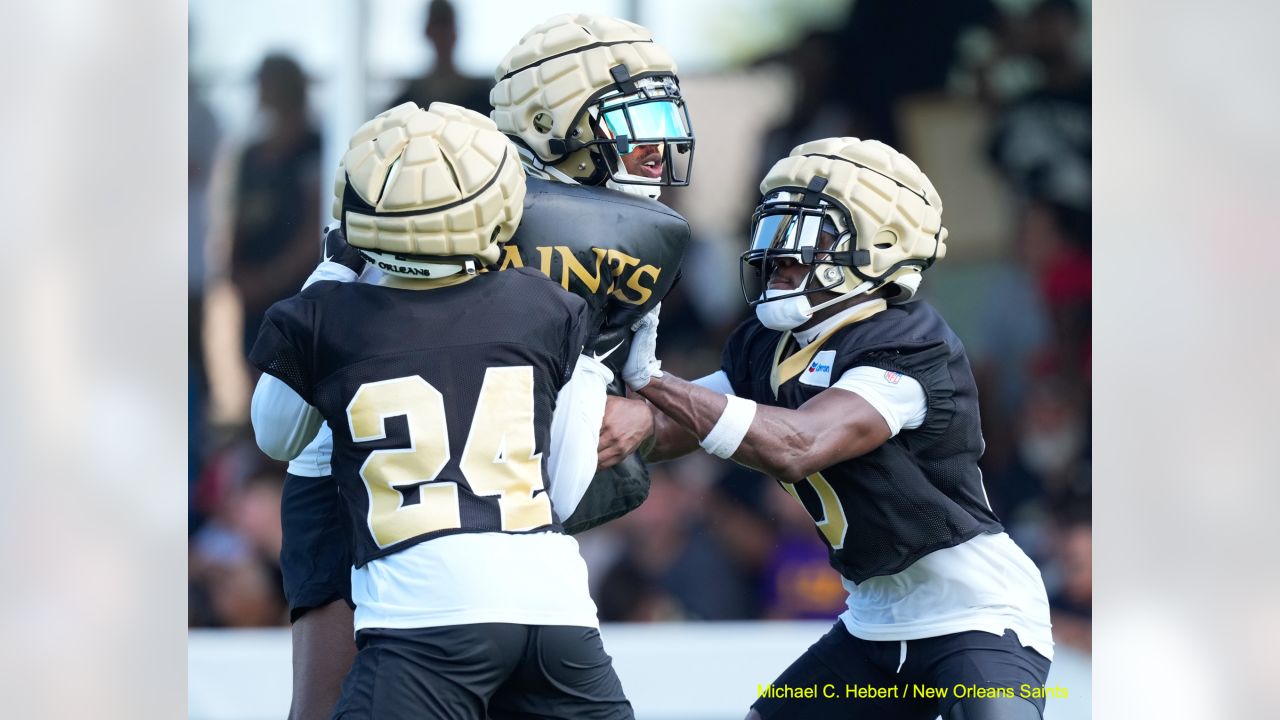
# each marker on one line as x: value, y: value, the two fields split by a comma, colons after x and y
x: 597, y: 99
x: 429, y: 193
x: 858, y: 212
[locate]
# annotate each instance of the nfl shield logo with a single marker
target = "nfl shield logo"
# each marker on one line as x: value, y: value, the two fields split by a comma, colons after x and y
x: 892, y: 376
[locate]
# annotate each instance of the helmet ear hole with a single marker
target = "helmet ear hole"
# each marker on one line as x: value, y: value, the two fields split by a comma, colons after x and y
x: 830, y: 274
x: 542, y: 122
x: 885, y: 239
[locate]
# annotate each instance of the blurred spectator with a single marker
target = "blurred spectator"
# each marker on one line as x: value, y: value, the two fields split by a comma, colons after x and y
x: 890, y: 49
x: 202, y: 145
x: 1054, y: 244
x: 1043, y: 141
x: 814, y: 112
x: 444, y: 82
x: 799, y: 582
x: 675, y: 564
x: 234, y: 578
x: 1034, y: 368
x: 276, y: 213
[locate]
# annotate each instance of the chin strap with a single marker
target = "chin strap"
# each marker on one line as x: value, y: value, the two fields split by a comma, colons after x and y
x: 533, y: 165
x: 861, y: 289
x: 653, y: 192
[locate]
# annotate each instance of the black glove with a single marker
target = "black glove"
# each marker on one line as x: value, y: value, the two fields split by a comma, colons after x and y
x: 336, y: 250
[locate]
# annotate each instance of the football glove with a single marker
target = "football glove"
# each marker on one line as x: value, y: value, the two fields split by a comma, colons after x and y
x: 641, y: 365
x: 336, y: 250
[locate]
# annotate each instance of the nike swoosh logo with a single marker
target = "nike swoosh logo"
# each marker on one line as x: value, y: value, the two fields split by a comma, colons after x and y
x: 608, y: 352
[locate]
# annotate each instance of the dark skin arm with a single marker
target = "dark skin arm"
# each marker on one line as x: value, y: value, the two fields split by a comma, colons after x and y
x: 789, y: 445
x: 322, y: 654
x: 632, y: 424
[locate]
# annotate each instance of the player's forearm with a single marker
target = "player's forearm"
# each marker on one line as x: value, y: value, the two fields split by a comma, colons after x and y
x: 772, y: 444
x: 669, y: 440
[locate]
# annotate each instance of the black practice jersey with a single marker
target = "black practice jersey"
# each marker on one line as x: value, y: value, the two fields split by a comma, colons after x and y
x: 922, y: 490
x: 622, y: 254
x: 440, y: 401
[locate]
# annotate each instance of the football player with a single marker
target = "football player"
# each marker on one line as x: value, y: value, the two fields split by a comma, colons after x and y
x: 439, y: 384
x: 593, y: 106
x: 862, y: 405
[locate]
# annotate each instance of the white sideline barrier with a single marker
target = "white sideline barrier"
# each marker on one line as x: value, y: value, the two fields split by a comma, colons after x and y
x: 697, y: 671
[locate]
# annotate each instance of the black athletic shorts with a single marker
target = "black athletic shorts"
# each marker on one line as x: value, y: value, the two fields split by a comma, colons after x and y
x: 494, y: 670
x: 844, y: 676
x: 315, y: 550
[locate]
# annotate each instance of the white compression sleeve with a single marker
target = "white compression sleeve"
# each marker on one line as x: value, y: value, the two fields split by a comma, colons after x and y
x: 283, y: 423
x: 575, y: 433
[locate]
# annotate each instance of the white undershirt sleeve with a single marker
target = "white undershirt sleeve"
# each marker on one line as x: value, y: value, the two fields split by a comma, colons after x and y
x: 575, y: 434
x: 283, y: 423
x: 314, y: 459
x: 717, y: 381
x: 899, y: 398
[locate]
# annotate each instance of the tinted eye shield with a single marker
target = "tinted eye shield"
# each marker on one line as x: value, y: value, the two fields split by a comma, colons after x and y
x: 651, y: 113
x: 790, y: 230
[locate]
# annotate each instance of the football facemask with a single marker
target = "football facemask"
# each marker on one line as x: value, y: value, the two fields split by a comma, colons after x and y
x: 644, y: 137
x: 804, y: 233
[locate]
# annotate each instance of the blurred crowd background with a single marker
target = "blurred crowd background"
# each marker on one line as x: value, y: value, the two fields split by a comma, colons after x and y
x: 991, y: 98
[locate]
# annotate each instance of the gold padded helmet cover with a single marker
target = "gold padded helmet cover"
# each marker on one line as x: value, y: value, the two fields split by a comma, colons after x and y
x: 894, y: 208
x: 437, y: 182
x: 546, y: 81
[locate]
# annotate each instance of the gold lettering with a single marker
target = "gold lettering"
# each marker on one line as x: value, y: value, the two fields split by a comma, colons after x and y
x: 642, y: 293
x: 545, y: 266
x: 620, y: 262
x: 571, y: 265
x: 510, y: 258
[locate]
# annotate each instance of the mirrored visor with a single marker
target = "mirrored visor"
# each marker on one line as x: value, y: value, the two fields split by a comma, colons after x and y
x: 786, y: 232
x: 647, y: 119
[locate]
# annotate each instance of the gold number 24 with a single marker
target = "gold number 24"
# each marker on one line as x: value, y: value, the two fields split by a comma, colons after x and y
x: 498, y: 459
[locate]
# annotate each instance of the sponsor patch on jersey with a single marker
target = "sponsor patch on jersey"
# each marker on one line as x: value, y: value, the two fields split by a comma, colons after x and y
x: 892, y: 376
x: 818, y: 373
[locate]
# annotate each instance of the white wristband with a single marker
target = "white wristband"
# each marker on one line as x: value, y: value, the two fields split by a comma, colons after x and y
x: 731, y: 428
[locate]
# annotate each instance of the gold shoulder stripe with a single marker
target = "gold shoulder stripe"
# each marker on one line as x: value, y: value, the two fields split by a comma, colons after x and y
x: 794, y: 365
